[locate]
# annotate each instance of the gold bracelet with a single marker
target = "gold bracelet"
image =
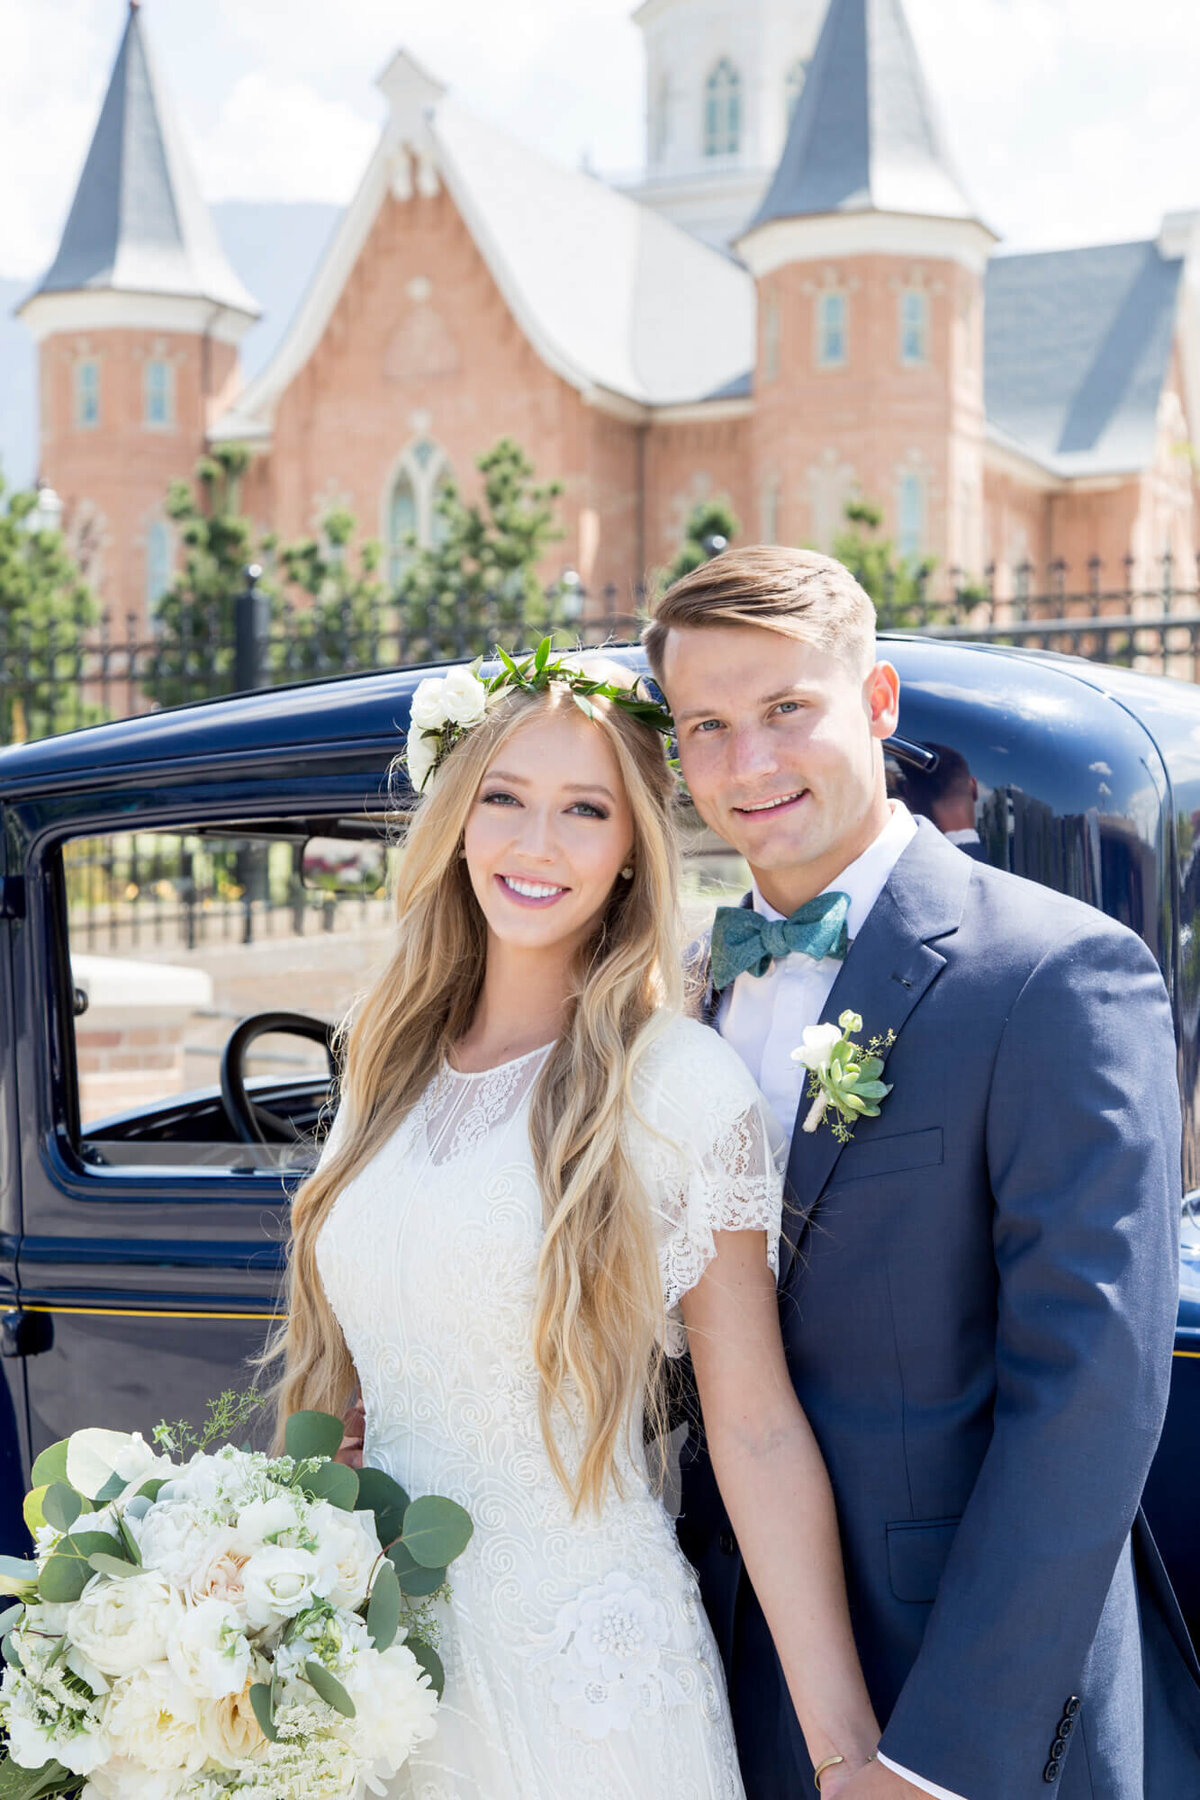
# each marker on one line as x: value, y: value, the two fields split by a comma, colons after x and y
x: 829, y: 1763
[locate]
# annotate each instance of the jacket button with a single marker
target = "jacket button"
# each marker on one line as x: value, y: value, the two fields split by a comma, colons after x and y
x: 1065, y: 1727
x: 728, y: 1543
x: 1058, y: 1747
x: 1072, y: 1707
x: 1050, y: 1772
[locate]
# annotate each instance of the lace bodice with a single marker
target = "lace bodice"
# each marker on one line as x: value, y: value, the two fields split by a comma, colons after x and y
x: 429, y: 1260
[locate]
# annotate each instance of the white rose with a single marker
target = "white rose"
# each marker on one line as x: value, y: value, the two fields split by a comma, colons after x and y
x: 394, y: 1707
x: 427, y: 709
x: 220, y: 1572
x: 208, y: 1650
x: 817, y: 1047
x: 232, y: 1734
x: 174, y: 1537
x: 464, y: 697
x: 266, y: 1521
x: 421, y: 756
x: 278, y: 1583
x: 347, y: 1550
x: 122, y: 1779
x: 153, y: 1720
x: 124, y: 1624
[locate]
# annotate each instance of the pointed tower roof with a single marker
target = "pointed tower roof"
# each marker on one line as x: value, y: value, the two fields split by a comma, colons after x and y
x: 138, y: 224
x: 865, y: 136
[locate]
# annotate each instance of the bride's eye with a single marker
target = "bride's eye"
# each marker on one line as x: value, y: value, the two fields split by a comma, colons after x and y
x: 589, y: 809
x: 498, y: 798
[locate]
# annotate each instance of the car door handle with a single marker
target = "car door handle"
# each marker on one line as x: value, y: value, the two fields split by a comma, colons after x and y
x: 25, y: 1333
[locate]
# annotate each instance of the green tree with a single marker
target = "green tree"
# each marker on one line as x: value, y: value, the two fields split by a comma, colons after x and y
x: 480, y: 582
x: 196, y: 618
x: 708, y: 519
x: 897, y: 584
x: 45, y: 608
x: 341, y: 627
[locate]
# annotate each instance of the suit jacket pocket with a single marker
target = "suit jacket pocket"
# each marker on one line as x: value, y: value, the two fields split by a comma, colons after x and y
x: 917, y: 1552
x: 875, y: 1156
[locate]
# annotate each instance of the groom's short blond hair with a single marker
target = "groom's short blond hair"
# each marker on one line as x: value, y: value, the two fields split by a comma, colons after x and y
x: 798, y: 593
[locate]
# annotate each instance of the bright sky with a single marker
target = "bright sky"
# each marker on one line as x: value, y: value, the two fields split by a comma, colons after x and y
x: 1072, y: 121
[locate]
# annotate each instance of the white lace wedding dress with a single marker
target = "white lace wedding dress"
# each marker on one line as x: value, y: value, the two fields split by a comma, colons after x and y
x: 579, y: 1663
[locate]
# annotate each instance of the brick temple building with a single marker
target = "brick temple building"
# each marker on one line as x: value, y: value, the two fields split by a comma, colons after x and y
x: 796, y: 304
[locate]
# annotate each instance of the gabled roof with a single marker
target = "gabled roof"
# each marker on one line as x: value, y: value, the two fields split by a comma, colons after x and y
x: 1078, y: 347
x: 613, y: 297
x: 138, y: 223
x: 864, y: 136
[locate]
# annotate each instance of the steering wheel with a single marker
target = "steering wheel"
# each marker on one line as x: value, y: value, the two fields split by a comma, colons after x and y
x: 254, y: 1124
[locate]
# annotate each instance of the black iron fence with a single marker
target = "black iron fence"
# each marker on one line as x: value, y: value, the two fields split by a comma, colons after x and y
x: 55, y: 677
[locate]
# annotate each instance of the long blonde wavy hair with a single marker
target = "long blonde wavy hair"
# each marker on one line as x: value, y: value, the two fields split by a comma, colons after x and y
x: 598, y: 1318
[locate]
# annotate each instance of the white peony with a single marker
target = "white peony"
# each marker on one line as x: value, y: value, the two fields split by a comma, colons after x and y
x: 394, y: 1707
x: 122, y: 1779
x: 347, y: 1550
x: 464, y: 697
x: 427, y: 709
x: 232, y: 1734
x: 124, y: 1624
x: 817, y: 1047
x: 268, y: 1521
x: 278, y: 1582
x: 420, y: 757
x: 152, y: 1719
x: 175, y: 1537
x: 208, y: 1650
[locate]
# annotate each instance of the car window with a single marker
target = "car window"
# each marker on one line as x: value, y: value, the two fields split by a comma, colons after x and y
x: 175, y: 938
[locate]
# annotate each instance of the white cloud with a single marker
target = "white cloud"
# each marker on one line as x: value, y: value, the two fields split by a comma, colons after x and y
x: 279, y: 139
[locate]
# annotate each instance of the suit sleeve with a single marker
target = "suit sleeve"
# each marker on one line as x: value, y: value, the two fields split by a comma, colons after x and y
x: 1083, y: 1154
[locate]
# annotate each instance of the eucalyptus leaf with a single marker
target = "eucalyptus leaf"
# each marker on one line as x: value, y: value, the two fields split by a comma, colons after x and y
x: 333, y: 1482
x: 16, y: 1575
x: 20, y: 1783
x: 260, y: 1700
x: 378, y: 1493
x: 415, y: 1580
x: 61, y: 1505
x: 102, y: 1562
x: 436, y: 1530
x: 430, y: 1661
x: 113, y: 1488
x: 31, y: 1510
x: 130, y: 1542
x: 310, y: 1434
x: 8, y: 1650
x: 151, y: 1489
x: 63, y: 1579
x: 85, y: 1543
x: 51, y: 1465
x: 383, y: 1610
x: 9, y: 1617
x: 329, y: 1688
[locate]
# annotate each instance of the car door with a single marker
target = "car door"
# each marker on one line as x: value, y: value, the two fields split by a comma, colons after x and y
x: 14, y: 1443
x: 153, y: 1245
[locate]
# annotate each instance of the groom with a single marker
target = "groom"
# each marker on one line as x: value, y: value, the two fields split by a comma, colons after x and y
x: 979, y: 1303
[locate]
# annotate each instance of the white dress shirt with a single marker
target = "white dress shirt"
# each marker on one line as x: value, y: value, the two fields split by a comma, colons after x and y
x: 764, y: 1017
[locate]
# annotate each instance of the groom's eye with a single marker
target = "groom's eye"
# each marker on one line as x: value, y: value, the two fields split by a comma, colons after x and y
x: 788, y: 706
x: 705, y: 724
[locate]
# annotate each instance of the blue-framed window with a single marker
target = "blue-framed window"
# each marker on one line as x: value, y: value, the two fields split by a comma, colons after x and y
x: 723, y: 110
x: 914, y: 328
x: 832, y: 337
x: 910, y: 514
x: 87, y: 392
x: 402, y: 520
x: 160, y: 395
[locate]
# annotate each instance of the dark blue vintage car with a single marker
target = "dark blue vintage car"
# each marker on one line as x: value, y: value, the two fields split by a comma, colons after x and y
x: 191, y: 897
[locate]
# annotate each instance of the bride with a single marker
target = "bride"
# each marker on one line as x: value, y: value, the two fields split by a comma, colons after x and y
x: 542, y: 1179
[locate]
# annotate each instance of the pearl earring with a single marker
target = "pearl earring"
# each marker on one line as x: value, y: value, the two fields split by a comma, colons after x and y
x: 627, y: 873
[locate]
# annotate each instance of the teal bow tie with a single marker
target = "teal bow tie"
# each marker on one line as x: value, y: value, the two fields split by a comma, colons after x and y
x: 743, y: 941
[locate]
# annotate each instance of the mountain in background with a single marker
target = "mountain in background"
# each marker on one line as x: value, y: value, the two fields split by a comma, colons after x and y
x: 274, y: 246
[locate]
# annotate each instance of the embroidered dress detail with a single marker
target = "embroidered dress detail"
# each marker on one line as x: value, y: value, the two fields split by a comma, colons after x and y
x: 578, y: 1658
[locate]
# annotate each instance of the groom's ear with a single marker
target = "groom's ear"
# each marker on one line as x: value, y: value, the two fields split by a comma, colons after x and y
x: 881, y: 694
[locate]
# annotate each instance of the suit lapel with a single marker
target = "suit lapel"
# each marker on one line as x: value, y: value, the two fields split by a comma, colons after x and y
x: 890, y: 966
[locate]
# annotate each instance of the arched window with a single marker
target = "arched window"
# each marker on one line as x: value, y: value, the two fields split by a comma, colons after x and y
x: 723, y: 111
x: 402, y: 523
x: 159, y: 393
x: 831, y: 331
x: 87, y: 393
x: 158, y: 564
x: 914, y: 328
x: 910, y: 513
x: 794, y: 85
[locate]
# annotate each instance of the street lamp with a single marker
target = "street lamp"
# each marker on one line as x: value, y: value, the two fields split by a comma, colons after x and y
x: 570, y: 591
x: 47, y: 514
x: 713, y: 544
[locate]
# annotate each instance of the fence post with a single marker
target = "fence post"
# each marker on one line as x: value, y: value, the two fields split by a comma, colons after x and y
x: 252, y: 618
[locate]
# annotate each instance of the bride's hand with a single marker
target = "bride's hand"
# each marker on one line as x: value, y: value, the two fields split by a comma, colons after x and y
x: 353, y: 1425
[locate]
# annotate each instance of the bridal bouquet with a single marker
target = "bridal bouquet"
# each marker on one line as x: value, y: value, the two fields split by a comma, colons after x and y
x: 228, y: 1624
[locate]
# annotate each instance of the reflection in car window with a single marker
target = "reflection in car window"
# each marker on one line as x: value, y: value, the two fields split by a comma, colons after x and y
x: 174, y: 938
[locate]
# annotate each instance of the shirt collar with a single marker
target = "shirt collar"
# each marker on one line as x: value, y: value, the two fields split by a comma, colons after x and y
x: 866, y: 877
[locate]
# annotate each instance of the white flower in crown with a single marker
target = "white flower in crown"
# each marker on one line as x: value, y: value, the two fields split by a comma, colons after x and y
x: 464, y: 697
x: 421, y: 756
x: 443, y: 707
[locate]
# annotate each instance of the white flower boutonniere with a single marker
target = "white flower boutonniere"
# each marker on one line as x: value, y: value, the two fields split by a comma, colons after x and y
x: 843, y: 1074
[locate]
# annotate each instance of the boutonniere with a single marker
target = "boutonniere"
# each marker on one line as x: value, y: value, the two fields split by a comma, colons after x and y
x: 843, y: 1075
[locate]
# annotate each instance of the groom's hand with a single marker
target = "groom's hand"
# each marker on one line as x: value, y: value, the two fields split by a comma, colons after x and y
x: 875, y: 1782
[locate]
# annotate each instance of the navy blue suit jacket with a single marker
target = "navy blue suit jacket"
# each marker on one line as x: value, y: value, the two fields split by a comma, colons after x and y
x: 978, y: 1310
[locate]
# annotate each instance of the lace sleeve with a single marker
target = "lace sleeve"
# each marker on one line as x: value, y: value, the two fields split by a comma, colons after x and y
x: 709, y: 1154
